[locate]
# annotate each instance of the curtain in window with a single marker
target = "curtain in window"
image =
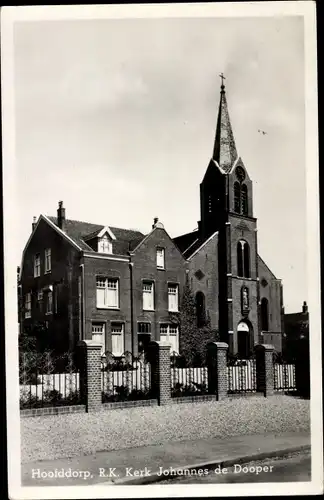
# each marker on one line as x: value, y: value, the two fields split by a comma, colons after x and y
x: 173, y: 297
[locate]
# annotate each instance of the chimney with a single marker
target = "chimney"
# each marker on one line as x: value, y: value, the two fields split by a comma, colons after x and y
x: 305, y: 307
x: 34, y: 223
x: 61, y: 216
x: 155, y: 221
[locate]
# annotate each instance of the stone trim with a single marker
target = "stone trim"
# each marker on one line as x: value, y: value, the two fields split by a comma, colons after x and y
x: 52, y: 410
x: 194, y: 399
x: 120, y: 405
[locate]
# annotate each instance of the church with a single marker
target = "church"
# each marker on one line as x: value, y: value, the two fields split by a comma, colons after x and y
x: 122, y: 288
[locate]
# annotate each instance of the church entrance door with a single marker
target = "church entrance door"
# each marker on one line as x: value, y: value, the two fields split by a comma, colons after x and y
x: 243, y: 340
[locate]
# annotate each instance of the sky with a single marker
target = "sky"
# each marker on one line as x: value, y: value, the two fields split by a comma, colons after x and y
x: 117, y: 119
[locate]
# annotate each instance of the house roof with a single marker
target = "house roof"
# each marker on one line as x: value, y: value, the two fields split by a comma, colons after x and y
x: 189, y: 243
x: 79, y: 231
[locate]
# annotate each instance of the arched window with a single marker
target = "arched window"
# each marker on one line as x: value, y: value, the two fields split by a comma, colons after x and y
x: 243, y: 259
x: 246, y: 260
x: 244, y: 200
x: 237, y: 195
x: 264, y: 315
x: 200, y: 309
x: 239, y: 259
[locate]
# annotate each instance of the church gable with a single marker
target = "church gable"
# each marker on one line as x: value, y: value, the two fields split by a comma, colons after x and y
x: 203, y: 277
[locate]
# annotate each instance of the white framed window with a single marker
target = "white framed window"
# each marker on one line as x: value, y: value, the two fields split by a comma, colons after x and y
x: 107, y: 292
x: 117, y: 339
x: 104, y: 245
x: 49, y: 302
x: 28, y: 305
x: 37, y: 265
x: 170, y: 334
x: 160, y: 264
x: 144, y: 328
x: 173, y: 297
x: 148, y: 296
x: 98, y: 335
x: 48, y: 260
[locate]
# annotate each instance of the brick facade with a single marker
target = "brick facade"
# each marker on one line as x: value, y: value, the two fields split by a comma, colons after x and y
x: 217, y: 369
x: 265, y: 369
x: 159, y: 356
x: 90, y: 374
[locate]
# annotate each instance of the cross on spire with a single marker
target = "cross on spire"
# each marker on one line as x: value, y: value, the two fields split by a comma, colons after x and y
x: 222, y: 78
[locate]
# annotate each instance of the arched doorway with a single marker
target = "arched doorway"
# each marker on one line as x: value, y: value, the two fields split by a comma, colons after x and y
x: 243, y: 340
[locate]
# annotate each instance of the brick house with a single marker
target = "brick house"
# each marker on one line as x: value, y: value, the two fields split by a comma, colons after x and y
x: 123, y: 288
x: 296, y: 335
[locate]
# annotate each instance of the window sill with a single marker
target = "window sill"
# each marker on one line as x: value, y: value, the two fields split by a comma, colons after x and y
x: 109, y: 308
x: 160, y: 268
x: 173, y: 310
x: 48, y: 314
x: 48, y: 272
x: 148, y: 310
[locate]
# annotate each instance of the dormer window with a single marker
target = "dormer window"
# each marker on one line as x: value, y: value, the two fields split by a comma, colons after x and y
x: 104, y: 244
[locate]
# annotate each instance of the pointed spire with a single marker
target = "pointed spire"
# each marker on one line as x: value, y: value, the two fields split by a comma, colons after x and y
x: 224, y: 148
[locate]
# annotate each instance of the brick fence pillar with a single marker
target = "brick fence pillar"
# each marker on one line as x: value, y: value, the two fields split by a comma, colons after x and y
x: 265, y: 369
x: 159, y: 358
x: 217, y: 369
x: 89, y: 361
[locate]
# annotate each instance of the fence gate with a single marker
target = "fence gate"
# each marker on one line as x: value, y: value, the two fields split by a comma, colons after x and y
x: 241, y: 375
x: 125, y: 378
x: 284, y: 377
x: 187, y: 377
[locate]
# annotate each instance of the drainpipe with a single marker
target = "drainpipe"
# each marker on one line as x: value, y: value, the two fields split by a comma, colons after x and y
x: 82, y: 304
x: 131, y: 264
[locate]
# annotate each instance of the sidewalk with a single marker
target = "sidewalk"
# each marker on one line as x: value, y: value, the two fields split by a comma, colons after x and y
x: 184, y: 454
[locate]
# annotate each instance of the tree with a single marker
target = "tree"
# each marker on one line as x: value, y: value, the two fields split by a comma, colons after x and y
x: 188, y: 324
x: 193, y: 339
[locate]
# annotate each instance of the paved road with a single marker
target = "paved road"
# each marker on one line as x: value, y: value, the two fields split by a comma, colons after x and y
x: 295, y: 467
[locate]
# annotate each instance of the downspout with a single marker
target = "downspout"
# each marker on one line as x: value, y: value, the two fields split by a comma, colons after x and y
x: 82, y: 303
x: 131, y: 264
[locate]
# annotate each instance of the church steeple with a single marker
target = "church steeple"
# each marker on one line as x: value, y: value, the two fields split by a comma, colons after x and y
x: 224, y: 147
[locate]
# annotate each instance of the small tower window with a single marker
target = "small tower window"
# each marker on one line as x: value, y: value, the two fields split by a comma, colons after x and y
x: 237, y: 204
x: 240, y: 198
x: 243, y: 259
x: 244, y: 200
x: 264, y: 315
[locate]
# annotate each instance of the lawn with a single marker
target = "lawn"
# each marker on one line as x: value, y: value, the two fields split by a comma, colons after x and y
x: 56, y: 436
